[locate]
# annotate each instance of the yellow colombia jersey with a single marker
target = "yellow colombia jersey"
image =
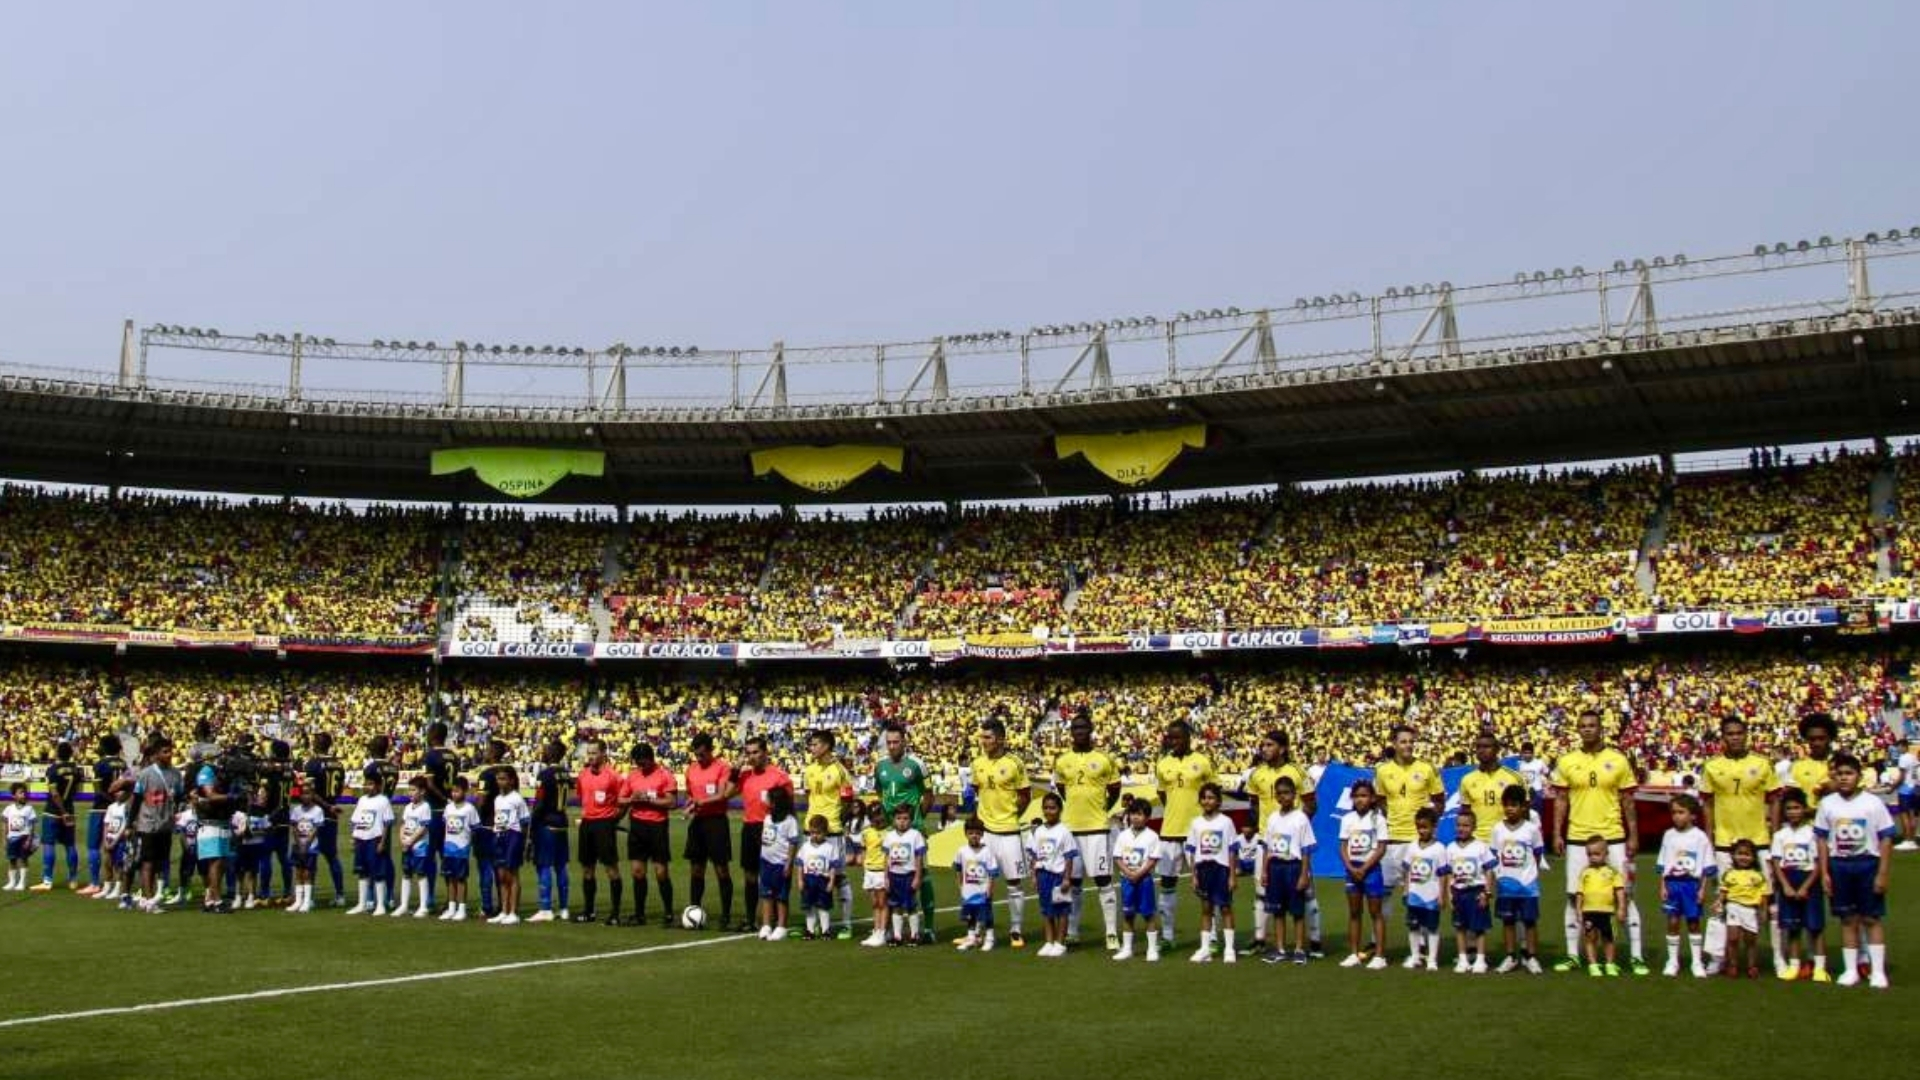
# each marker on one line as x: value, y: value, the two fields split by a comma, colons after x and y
x: 1596, y: 888
x: 873, y: 853
x: 999, y: 782
x: 1180, y: 780
x: 1406, y: 788
x: 1261, y: 780
x: 1739, y: 789
x: 1083, y: 780
x: 824, y: 785
x: 1594, y: 784
x: 1810, y: 776
x: 1748, y: 887
x: 1481, y: 790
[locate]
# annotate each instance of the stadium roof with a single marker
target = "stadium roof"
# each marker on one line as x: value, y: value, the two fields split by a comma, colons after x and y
x: 1828, y: 369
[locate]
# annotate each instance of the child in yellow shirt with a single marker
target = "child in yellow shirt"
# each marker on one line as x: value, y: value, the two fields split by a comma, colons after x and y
x: 1603, y: 898
x: 1744, y: 896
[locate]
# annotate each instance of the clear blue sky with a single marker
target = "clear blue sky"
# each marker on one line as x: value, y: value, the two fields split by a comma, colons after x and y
x: 727, y: 174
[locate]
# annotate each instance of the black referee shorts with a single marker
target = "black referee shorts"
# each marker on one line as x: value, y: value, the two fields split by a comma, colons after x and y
x: 750, y: 833
x: 708, y: 841
x: 647, y: 842
x: 598, y: 844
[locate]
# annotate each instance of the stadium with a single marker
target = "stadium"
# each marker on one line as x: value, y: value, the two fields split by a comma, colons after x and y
x: 1645, y: 508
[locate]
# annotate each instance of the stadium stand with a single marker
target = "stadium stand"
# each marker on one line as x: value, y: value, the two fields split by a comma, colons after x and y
x: 1659, y: 704
x: 529, y: 578
x: 1803, y: 531
x: 163, y: 563
x: 690, y: 577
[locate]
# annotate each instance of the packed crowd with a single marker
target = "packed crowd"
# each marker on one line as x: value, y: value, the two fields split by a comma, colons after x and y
x: 1903, y: 514
x: 45, y: 701
x: 542, y: 572
x: 690, y: 577
x: 1781, y: 529
x: 1661, y: 706
x: 1002, y: 569
x: 1528, y: 544
x: 1460, y: 547
x: 837, y: 576
x: 167, y: 563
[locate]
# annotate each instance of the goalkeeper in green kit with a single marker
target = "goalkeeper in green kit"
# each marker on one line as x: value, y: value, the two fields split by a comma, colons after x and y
x: 902, y: 780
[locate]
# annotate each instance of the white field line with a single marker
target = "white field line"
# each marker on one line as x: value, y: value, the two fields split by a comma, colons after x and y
x: 396, y: 980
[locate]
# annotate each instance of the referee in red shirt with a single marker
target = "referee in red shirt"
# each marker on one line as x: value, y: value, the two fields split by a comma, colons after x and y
x: 598, y: 785
x: 709, y: 784
x: 756, y: 781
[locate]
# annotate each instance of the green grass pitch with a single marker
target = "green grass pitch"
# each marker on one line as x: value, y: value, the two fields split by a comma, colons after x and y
x: 731, y: 1005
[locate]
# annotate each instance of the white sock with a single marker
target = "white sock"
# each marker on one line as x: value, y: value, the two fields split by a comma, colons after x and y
x: 1433, y: 950
x: 1572, y: 921
x: 1110, y: 908
x: 1169, y: 900
x: 1206, y: 940
x: 1259, y: 921
x: 899, y: 924
x: 1226, y: 941
x: 380, y: 896
x: 366, y: 893
x: 1673, y: 948
x: 913, y: 924
x: 1849, y: 959
x: 1313, y: 919
x: 1779, y: 951
x: 1633, y: 932
x: 846, y: 903
x: 1877, y: 960
x: 1016, y: 904
x: 1698, y: 943
x: 406, y: 892
x: 1126, y: 940
x: 1073, y: 909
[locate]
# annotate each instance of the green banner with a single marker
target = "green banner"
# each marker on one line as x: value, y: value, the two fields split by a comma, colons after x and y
x: 519, y: 471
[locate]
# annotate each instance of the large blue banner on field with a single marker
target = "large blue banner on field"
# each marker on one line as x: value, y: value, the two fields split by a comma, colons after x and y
x: 1334, y: 802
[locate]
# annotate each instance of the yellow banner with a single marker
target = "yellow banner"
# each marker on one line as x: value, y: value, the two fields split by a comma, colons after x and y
x: 1549, y: 624
x: 519, y: 471
x: 1132, y: 457
x: 1012, y: 639
x: 827, y: 468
